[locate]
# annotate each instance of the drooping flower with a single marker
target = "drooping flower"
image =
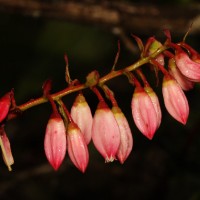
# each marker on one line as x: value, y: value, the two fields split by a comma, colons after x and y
x: 77, y: 147
x: 105, y: 132
x: 6, y: 149
x: 179, y: 77
x: 126, y: 138
x: 5, y: 103
x: 175, y: 100
x: 144, y: 113
x: 55, y: 142
x: 188, y: 67
x: 82, y: 116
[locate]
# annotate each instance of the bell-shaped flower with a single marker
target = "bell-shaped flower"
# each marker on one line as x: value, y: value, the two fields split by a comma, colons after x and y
x: 126, y: 138
x: 6, y: 149
x: 174, y: 99
x: 179, y: 77
x: 144, y: 113
x: 55, y: 142
x: 105, y: 132
x: 82, y: 116
x: 77, y: 147
x: 188, y: 67
x: 5, y: 103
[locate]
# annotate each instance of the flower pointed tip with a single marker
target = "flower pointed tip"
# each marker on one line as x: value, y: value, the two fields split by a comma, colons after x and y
x: 150, y: 137
x: 83, y: 170
x: 110, y: 159
x: 55, y: 166
x: 184, y: 121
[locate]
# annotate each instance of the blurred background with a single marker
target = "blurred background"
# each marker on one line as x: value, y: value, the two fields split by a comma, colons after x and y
x: 34, y: 35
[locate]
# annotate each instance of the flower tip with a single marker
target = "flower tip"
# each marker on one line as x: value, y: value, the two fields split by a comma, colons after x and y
x: 110, y: 159
x: 183, y: 120
x: 55, y: 165
x: 83, y: 169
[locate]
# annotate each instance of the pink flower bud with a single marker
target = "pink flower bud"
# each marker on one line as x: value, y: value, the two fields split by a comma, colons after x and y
x: 55, y: 141
x: 175, y: 100
x: 82, y: 116
x: 188, y: 67
x: 179, y: 77
x: 155, y: 102
x: 77, y: 148
x: 144, y: 113
x: 152, y: 46
x: 105, y: 132
x: 126, y: 138
x: 5, y: 103
x: 6, y: 149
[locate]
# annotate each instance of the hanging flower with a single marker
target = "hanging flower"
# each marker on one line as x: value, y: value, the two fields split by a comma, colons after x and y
x: 188, y: 67
x: 144, y: 113
x: 180, y: 78
x: 105, y: 132
x: 126, y: 138
x: 77, y: 147
x: 55, y: 141
x: 82, y: 116
x: 175, y: 100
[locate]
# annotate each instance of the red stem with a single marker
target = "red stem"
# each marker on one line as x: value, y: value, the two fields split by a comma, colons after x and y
x: 96, y: 91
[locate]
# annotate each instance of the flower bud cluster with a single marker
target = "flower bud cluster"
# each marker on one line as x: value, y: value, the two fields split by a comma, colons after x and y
x: 108, y: 129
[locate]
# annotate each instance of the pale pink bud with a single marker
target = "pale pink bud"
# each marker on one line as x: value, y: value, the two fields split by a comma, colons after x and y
x: 55, y: 142
x: 155, y: 102
x: 82, y: 116
x: 5, y: 103
x: 144, y: 113
x: 126, y: 138
x: 188, y: 67
x: 77, y: 147
x: 179, y: 77
x: 6, y: 149
x: 175, y: 100
x: 105, y: 132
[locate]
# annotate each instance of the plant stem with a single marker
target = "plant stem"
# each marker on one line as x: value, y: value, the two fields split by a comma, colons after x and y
x: 72, y: 88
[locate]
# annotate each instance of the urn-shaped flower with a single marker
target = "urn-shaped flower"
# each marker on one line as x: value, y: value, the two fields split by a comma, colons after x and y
x: 82, y: 116
x: 105, y: 132
x: 126, y: 138
x: 77, y: 147
x: 145, y: 113
x: 175, y: 100
x: 55, y: 141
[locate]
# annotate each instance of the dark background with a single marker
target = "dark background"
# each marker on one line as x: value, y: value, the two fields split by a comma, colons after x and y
x: 31, y: 51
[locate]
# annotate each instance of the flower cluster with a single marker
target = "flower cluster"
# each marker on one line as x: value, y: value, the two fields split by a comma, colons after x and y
x: 70, y: 132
